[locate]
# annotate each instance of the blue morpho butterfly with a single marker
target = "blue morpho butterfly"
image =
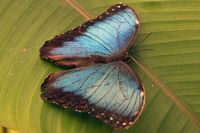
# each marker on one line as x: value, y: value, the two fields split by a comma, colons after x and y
x: 102, y: 84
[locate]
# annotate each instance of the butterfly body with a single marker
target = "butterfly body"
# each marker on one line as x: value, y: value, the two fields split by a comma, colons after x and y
x: 101, y: 84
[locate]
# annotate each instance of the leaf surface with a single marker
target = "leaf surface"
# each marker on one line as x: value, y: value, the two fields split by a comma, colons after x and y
x: 170, y: 71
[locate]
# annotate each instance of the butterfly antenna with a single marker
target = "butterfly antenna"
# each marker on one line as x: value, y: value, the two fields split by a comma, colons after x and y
x: 142, y: 40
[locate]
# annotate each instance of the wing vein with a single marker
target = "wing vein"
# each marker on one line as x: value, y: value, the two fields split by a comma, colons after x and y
x: 134, y: 103
x: 104, y: 78
x: 109, y: 45
x: 125, y: 20
x: 97, y: 42
x: 86, y: 80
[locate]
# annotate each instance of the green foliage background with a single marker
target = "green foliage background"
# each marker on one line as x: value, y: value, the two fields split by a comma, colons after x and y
x: 175, y: 60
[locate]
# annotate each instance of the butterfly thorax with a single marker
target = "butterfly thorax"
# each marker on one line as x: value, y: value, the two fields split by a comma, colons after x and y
x: 99, y: 59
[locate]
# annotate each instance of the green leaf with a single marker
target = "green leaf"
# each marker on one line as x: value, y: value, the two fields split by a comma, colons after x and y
x: 170, y: 71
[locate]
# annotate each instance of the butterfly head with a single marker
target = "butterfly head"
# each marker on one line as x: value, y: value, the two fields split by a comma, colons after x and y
x: 126, y: 58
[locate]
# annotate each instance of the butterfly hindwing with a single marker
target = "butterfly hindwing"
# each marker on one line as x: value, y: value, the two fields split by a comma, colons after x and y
x: 108, y: 35
x: 111, y: 92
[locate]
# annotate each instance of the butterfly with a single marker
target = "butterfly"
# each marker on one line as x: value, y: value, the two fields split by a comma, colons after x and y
x: 100, y: 83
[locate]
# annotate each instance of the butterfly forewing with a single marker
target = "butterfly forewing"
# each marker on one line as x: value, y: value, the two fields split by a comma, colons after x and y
x: 109, y: 35
x: 111, y: 92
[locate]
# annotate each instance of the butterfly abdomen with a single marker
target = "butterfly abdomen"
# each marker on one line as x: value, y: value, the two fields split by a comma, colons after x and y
x: 100, y: 59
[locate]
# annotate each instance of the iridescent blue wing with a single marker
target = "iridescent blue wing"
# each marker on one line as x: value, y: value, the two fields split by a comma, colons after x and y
x: 111, y: 92
x: 108, y: 35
